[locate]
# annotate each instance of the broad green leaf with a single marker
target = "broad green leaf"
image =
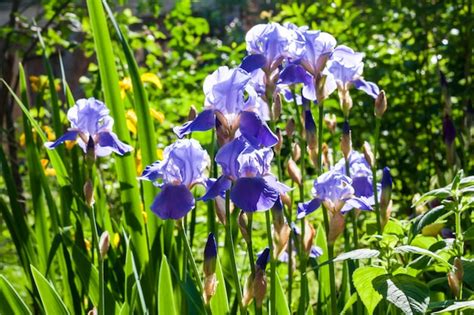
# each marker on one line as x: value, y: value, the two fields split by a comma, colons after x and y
x: 166, y: 303
x: 130, y: 264
x: 52, y: 302
x: 125, y: 166
x: 12, y: 303
x: 457, y: 306
x: 420, y: 251
x: 362, y: 253
x: 428, y: 217
x: 407, y: 293
x: 363, y: 281
x: 440, y: 193
x: 219, y: 302
x: 281, y: 304
x: 324, y: 289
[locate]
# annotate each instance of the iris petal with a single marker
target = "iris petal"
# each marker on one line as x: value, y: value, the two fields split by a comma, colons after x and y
x: 216, y: 188
x: 253, y: 194
x: 253, y: 62
x: 173, y: 202
x: 109, y: 140
x: 69, y: 135
x: 256, y: 131
x: 368, y: 87
x: 204, y: 121
x: 308, y: 207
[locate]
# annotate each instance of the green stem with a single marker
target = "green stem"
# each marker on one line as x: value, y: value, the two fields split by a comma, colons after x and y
x: 374, y: 175
x: 459, y: 241
x: 272, y: 262
x: 250, y: 243
x: 231, y: 253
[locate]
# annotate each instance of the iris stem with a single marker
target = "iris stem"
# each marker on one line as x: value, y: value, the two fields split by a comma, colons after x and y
x: 231, y: 253
x: 374, y: 175
x: 272, y: 262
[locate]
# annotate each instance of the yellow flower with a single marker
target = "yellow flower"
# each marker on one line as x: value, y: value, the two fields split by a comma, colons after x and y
x: 88, y: 244
x: 151, y: 78
x: 49, y: 133
x: 48, y: 171
x: 159, y: 154
x: 159, y: 116
x: 125, y: 85
x: 131, y: 117
x: 70, y: 144
x: 138, y: 162
x: 116, y: 240
x: 22, y: 139
x: 145, y: 217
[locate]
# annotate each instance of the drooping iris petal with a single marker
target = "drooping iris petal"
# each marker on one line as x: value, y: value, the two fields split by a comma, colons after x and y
x: 369, y: 88
x: 255, y: 130
x: 253, y: 62
x: 204, y: 121
x: 275, y: 184
x: 227, y: 156
x: 173, y: 202
x: 308, y: 207
x: 216, y: 188
x: 152, y: 172
x: 356, y: 203
x: 253, y: 194
x: 69, y: 135
x: 109, y: 140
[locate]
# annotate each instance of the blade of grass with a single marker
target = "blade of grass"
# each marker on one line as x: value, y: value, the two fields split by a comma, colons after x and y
x: 12, y: 302
x: 126, y: 169
x: 52, y: 302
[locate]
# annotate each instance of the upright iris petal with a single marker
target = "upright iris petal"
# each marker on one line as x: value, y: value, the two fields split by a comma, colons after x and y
x: 182, y: 167
x: 318, y: 47
x: 232, y: 100
x: 346, y: 66
x: 248, y: 167
x: 335, y: 191
x: 90, y: 121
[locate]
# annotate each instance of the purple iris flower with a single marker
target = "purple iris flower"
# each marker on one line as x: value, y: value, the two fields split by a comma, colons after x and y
x: 90, y: 120
x: 346, y: 66
x: 335, y: 191
x: 268, y: 45
x: 231, y: 99
x: 361, y: 175
x: 293, y: 74
x: 182, y: 167
x: 248, y: 168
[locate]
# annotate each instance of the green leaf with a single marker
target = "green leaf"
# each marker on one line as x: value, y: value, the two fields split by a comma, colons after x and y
x: 440, y: 193
x: 457, y: 306
x: 362, y: 253
x: 219, y: 302
x: 52, y: 302
x: 363, y: 281
x: 325, y: 290
x: 12, y: 303
x: 165, y: 290
x: 420, y: 251
x: 407, y: 293
x: 349, y: 303
x: 281, y: 304
x: 428, y: 217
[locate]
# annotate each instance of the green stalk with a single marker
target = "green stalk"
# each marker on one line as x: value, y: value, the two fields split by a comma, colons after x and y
x: 272, y: 262
x: 459, y: 241
x: 231, y: 253
x: 374, y: 175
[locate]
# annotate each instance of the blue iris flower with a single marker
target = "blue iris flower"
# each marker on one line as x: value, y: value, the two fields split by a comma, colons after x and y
x: 90, y: 120
x: 182, y: 167
x: 248, y: 168
x: 233, y: 101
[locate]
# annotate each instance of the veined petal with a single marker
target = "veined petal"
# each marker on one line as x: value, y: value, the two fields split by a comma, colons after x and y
x: 278, y: 186
x: 173, y: 202
x: 152, y: 172
x: 368, y: 87
x: 109, y: 140
x: 255, y: 130
x: 308, y: 207
x: 204, y: 121
x: 253, y: 194
x: 253, y: 62
x: 216, y: 188
x: 69, y: 135
x: 356, y: 203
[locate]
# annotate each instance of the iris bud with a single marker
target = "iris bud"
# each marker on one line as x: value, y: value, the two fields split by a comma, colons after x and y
x: 279, y: 144
x: 192, y: 113
x: 276, y: 108
x: 104, y: 244
x: 310, y: 127
x: 386, y: 195
x: 290, y: 127
x: 330, y: 121
x: 210, y: 257
x: 294, y: 172
x: 243, y: 225
x: 346, y: 141
x: 90, y: 151
x: 285, y: 198
x: 380, y: 104
x: 326, y: 159
x: 296, y: 152
x: 308, y: 236
x: 336, y: 226
x: 89, y: 193
x: 220, y: 209
x: 459, y: 269
x: 368, y: 154
x: 454, y: 283
x: 345, y: 99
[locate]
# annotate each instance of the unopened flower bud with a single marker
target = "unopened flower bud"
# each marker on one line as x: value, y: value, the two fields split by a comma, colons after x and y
x: 454, y: 283
x: 313, y: 156
x: 192, y: 113
x: 449, y: 130
x: 336, y: 226
x: 243, y: 225
x: 276, y: 108
x: 325, y: 155
x: 89, y: 192
x: 308, y: 237
x: 93, y: 311
x: 345, y: 100
x: 259, y: 287
x: 380, y: 104
x: 285, y: 198
x: 346, y: 141
x: 294, y: 172
x: 248, y: 290
x: 90, y: 151
x: 459, y: 269
x: 279, y: 144
x: 220, y: 209
x: 296, y: 152
x: 330, y: 121
x: 368, y: 154
x: 210, y: 255
x: 104, y: 244
x: 290, y: 127
x: 321, y: 91
x: 210, y: 285
x: 386, y: 194
x: 310, y: 127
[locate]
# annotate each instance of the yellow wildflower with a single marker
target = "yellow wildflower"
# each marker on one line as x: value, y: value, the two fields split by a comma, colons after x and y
x: 159, y: 154
x: 131, y: 117
x: 88, y: 244
x: 145, y: 217
x: 69, y: 144
x: 22, y: 139
x: 116, y: 240
x: 49, y: 133
x: 48, y: 171
x: 138, y: 161
x: 125, y: 85
x: 151, y: 78
x: 159, y: 116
